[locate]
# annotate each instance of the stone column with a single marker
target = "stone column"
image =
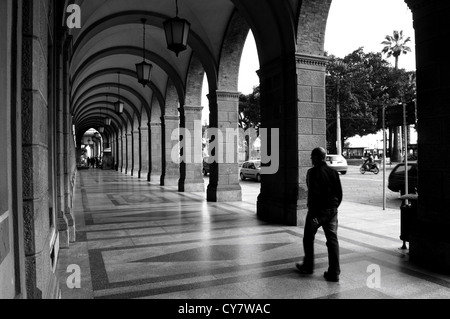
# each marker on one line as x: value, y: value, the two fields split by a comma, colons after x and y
x: 311, y: 119
x: 36, y: 128
x: 130, y: 155
x: 156, y: 152
x: 430, y: 238
x: 145, y: 153
x: 67, y: 128
x: 59, y: 162
x: 170, y: 169
x: 224, y: 183
x: 292, y: 100
x: 117, y: 152
x: 191, y: 179
x: 136, y: 142
x: 123, y: 146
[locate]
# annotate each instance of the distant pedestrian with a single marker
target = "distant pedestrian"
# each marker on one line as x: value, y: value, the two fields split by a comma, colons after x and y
x: 324, y: 198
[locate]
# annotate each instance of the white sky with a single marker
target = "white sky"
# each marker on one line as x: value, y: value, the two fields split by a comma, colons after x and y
x: 351, y: 24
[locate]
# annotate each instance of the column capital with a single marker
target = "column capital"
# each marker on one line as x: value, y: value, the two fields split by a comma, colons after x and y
x: 309, y: 61
x: 193, y: 109
x: 228, y: 95
x: 170, y: 118
x: 155, y: 124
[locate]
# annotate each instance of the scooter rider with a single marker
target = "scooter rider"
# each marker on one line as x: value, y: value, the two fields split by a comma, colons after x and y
x: 368, y: 163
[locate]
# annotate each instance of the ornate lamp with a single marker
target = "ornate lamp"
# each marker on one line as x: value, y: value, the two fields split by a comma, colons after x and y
x: 118, y: 105
x: 144, y: 69
x: 177, y: 33
x: 101, y: 129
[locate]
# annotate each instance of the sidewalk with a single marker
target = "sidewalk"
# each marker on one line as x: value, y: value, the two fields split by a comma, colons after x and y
x: 137, y: 240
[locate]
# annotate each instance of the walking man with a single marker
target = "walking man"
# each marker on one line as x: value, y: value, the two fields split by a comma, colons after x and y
x: 324, y: 198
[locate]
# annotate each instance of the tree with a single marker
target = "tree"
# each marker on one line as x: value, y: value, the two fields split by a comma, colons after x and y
x: 249, y: 110
x: 366, y: 81
x: 395, y: 46
x: 249, y: 115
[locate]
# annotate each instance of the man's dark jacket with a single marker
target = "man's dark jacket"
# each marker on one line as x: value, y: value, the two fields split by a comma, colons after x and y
x: 324, y: 190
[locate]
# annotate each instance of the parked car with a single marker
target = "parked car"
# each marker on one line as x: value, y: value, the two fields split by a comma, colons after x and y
x: 337, y: 162
x: 205, y: 168
x: 251, y: 170
x: 396, y: 181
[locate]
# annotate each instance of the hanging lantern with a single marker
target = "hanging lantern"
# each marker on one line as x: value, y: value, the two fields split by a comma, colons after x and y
x: 144, y: 69
x: 107, y: 119
x: 118, y: 105
x: 177, y: 33
x: 101, y: 129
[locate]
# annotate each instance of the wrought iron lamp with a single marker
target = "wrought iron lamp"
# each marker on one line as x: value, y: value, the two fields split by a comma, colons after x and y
x: 144, y: 69
x: 177, y: 33
x: 118, y: 105
x: 107, y: 119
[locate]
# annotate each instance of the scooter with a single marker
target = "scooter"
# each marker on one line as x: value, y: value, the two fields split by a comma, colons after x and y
x: 369, y: 168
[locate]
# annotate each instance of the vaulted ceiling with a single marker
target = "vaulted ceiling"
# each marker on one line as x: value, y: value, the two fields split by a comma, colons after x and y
x: 111, y: 37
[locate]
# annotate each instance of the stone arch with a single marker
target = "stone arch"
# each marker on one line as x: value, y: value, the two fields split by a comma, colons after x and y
x: 312, y: 26
x: 232, y: 47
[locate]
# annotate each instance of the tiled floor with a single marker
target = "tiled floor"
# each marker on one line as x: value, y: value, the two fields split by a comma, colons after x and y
x: 136, y: 240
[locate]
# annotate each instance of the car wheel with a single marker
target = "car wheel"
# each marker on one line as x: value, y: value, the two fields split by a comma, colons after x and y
x: 344, y: 172
x: 242, y: 177
x: 258, y: 178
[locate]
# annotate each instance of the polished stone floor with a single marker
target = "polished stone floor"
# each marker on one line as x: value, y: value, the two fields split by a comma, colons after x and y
x: 141, y: 240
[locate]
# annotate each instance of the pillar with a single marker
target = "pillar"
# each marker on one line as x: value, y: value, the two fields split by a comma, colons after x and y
x: 156, y: 152
x: 36, y: 128
x: 430, y: 238
x: 224, y: 183
x: 191, y: 179
x: 123, y: 148
x: 136, y: 155
x: 170, y: 169
x: 145, y: 153
x: 129, y: 155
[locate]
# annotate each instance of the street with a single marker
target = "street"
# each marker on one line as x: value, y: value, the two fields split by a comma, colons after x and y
x: 357, y: 188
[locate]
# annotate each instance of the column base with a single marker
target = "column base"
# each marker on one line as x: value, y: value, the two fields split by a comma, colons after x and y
x: 72, y: 234
x: 224, y: 193
x: 191, y: 186
x: 155, y: 178
x: 64, y: 239
x: 430, y: 249
x: 281, y: 212
x: 169, y: 181
x: 71, y: 225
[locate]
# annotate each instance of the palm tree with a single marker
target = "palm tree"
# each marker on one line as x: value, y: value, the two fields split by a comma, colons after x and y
x: 395, y: 45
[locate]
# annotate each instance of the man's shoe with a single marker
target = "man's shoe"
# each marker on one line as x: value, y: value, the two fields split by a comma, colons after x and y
x: 332, y: 278
x: 303, y: 270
